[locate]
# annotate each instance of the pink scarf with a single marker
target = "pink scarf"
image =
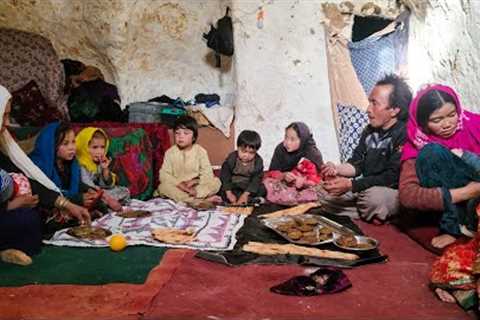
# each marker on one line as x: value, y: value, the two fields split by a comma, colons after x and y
x: 466, y: 136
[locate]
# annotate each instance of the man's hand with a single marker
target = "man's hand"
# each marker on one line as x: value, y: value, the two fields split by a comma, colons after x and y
x: 329, y: 169
x: 25, y: 201
x: 338, y: 186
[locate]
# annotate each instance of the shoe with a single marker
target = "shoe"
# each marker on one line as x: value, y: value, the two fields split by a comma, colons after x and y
x: 257, y: 201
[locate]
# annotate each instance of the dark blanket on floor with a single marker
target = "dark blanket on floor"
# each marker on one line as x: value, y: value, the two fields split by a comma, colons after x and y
x: 254, y: 230
x: 85, y: 266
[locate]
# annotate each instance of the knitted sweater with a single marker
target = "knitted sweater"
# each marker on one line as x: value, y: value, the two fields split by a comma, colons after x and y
x: 413, y: 195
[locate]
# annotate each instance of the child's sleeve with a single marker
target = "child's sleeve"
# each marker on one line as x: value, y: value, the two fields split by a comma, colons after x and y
x: 166, y: 171
x: 226, y: 174
x: 207, y: 180
x: 257, y: 177
x: 106, y: 183
x: 472, y: 160
x: 87, y: 177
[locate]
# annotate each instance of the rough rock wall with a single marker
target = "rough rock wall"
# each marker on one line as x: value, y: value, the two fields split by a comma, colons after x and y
x: 145, y: 47
x: 278, y: 74
x: 445, y: 47
x: 281, y: 72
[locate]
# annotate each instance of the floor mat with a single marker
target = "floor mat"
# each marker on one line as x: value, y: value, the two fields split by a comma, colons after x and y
x: 394, y: 290
x: 114, y: 301
x: 63, y: 265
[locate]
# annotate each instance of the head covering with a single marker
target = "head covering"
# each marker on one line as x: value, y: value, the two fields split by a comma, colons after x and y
x: 16, y: 154
x: 44, y: 156
x: 308, y: 149
x: 466, y: 137
x: 83, y: 155
x: 7, y: 186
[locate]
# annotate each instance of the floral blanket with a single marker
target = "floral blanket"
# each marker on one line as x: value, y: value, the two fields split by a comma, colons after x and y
x: 214, y: 229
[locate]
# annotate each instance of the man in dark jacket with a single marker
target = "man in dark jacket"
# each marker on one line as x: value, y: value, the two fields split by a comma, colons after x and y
x: 367, y: 183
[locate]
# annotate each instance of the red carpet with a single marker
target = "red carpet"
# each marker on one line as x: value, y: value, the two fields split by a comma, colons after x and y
x: 184, y: 287
x: 394, y: 290
x: 113, y: 301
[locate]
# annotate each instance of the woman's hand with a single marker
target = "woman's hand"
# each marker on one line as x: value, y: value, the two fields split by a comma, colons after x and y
x: 24, y: 201
x: 457, y: 152
x: 470, y: 191
x: 90, y: 197
x: 79, y: 213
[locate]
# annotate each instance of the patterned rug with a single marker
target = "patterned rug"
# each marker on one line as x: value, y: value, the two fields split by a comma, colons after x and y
x: 214, y: 230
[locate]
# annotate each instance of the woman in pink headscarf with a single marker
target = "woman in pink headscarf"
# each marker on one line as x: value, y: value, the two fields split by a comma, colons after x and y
x: 440, y: 172
x: 433, y: 178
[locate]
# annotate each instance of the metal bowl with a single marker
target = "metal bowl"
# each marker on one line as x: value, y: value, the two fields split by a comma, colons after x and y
x: 366, y: 243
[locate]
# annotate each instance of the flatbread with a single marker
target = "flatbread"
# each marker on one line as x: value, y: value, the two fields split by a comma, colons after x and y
x: 293, y: 211
x: 134, y: 214
x: 174, y: 236
x: 89, y: 232
x: 275, y: 248
x: 245, y: 211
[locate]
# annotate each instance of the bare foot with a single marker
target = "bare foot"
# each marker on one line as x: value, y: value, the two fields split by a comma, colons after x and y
x: 443, y: 240
x: 16, y: 257
x: 444, y: 296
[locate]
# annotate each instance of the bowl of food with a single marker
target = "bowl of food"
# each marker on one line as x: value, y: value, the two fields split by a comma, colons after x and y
x: 354, y: 242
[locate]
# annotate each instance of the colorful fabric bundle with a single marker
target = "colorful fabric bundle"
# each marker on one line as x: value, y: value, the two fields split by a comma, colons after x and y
x: 308, y: 170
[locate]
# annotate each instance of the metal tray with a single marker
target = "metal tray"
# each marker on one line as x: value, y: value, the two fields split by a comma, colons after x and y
x: 274, y: 223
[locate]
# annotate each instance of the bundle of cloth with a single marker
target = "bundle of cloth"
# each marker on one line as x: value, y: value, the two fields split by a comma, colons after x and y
x: 293, y: 174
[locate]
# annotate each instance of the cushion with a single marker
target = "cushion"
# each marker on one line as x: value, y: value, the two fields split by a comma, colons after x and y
x: 131, y: 151
x: 352, y: 123
x: 29, y: 108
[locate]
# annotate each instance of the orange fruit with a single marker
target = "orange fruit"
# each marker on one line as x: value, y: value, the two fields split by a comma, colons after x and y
x: 118, y: 242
